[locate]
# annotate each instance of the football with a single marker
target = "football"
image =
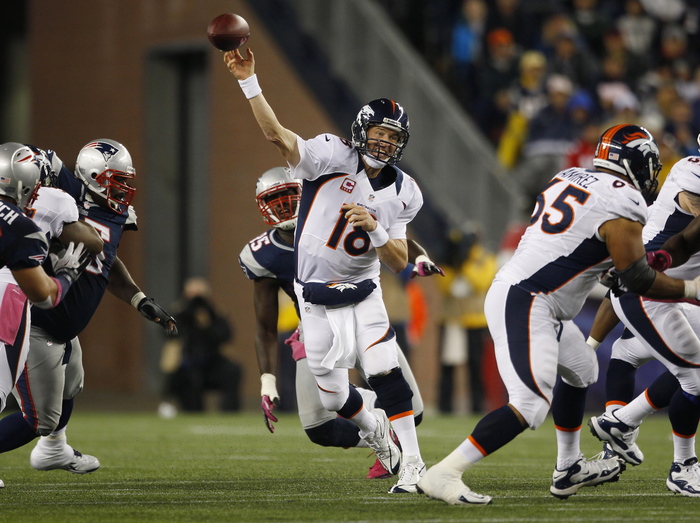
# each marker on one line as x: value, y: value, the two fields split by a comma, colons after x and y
x: 228, y: 32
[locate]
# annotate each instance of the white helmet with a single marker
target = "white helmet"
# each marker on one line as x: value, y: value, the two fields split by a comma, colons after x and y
x: 102, y: 166
x: 20, y: 174
x: 278, y: 196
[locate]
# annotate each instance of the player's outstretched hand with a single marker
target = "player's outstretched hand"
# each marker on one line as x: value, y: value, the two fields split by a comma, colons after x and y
x: 425, y: 267
x: 150, y: 310
x: 270, y: 398
x: 240, y: 67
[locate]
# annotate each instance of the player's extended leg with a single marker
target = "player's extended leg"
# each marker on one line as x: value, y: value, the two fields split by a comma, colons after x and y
x: 378, y: 354
x: 322, y: 426
x: 53, y: 407
x: 684, y: 413
x: 335, y: 391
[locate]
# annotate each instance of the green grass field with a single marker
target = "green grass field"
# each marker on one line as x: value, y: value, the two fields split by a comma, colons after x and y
x: 229, y: 468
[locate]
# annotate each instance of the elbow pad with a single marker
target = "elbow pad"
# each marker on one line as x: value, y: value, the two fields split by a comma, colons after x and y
x: 638, y: 277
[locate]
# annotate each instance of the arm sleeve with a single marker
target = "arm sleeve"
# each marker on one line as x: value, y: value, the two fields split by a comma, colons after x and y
x: 413, y: 201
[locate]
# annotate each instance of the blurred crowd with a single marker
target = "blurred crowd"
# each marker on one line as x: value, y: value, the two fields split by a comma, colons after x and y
x: 544, y: 78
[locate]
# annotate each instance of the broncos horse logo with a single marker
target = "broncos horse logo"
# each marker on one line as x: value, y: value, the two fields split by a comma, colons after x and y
x: 341, y: 286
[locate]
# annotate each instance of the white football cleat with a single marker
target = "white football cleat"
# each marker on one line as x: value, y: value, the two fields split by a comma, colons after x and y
x: 621, y: 437
x: 684, y: 478
x: 412, y: 469
x: 381, y: 443
x: 443, y: 483
x: 53, y: 453
x: 2, y: 485
x: 585, y: 473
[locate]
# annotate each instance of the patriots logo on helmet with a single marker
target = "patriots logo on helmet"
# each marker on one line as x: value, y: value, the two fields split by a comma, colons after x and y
x: 342, y: 286
x: 106, y: 149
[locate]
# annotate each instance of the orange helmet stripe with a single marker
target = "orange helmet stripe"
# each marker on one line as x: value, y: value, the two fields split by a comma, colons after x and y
x: 605, y: 141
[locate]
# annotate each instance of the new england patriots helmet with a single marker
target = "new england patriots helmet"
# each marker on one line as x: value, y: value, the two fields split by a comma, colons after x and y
x: 278, y: 196
x: 20, y: 174
x: 632, y: 151
x: 103, y: 166
x: 386, y: 113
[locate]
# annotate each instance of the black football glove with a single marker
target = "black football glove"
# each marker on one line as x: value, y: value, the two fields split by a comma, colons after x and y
x: 150, y: 310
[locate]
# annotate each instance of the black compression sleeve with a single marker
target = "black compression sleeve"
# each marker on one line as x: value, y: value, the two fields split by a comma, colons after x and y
x: 638, y: 277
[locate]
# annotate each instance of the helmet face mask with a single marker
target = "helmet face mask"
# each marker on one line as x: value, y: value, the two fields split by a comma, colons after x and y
x: 104, y: 166
x: 388, y: 148
x: 278, y: 196
x: 20, y: 175
x: 631, y: 150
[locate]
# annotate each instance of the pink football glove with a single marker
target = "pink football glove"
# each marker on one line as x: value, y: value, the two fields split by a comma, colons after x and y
x: 269, y: 418
x: 270, y: 398
x: 659, y: 260
x: 425, y: 267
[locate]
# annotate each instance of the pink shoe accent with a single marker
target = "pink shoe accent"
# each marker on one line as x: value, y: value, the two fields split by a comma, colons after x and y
x: 376, y: 471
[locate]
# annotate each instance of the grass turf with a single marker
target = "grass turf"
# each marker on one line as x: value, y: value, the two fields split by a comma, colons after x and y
x: 229, y: 468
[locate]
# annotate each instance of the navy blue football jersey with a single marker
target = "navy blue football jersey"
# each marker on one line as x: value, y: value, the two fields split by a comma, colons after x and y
x: 73, y: 313
x: 267, y: 256
x: 22, y: 244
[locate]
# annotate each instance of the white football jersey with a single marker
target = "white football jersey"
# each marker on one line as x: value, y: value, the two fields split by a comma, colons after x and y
x: 666, y: 217
x: 327, y: 249
x: 52, y: 209
x: 561, y: 255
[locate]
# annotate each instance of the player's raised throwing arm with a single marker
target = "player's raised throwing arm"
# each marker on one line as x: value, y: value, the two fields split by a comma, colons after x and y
x: 244, y: 71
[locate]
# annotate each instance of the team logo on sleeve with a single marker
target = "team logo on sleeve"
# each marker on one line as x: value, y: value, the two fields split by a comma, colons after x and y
x: 348, y: 185
x: 342, y: 286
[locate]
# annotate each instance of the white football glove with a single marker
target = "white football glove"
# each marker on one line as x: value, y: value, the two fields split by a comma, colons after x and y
x: 71, y: 263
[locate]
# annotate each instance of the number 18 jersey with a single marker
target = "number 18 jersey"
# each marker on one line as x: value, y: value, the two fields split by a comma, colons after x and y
x: 326, y: 247
x: 562, y: 255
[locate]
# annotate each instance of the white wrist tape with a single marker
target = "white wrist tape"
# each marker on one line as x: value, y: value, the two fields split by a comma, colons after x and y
x: 421, y: 258
x: 269, y: 385
x: 250, y: 86
x: 593, y: 343
x: 136, y: 299
x: 379, y: 237
x: 691, y: 289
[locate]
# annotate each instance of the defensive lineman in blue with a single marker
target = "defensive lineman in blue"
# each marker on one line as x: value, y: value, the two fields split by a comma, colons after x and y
x: 53, y: 375
x: 354, y: 211
x: 584, y: 223
x: 23, y: 248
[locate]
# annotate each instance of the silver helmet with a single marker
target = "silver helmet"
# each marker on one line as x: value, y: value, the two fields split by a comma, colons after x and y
x: 279, y: 196
x: 103, y: 166
x: 20, y: 174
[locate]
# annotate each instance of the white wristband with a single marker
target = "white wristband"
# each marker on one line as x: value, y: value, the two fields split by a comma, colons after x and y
x: 593, y: 343
x: 136, y: 299
x: 691, y: 289
x: 379, y: 237
x: 250, y: 86
x: 269, y: 385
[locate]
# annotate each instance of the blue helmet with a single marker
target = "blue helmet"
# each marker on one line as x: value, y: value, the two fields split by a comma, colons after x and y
x: 630, y: 150
x: 385, y: 113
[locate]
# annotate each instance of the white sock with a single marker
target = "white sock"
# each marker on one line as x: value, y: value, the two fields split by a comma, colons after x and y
x: 568, y: 447
x: 612, y: 407
x: 58, y: 433
x: 469, y: 452
x: 365, y: 420
x: 634, y: 413
x: 683, y: 448
x: 405, y: 428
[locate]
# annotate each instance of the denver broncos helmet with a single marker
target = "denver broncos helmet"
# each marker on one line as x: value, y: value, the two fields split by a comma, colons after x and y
x: 386, y: 113
x: 103, y: 166
x: 630, y: 150
x: 278, y: 196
